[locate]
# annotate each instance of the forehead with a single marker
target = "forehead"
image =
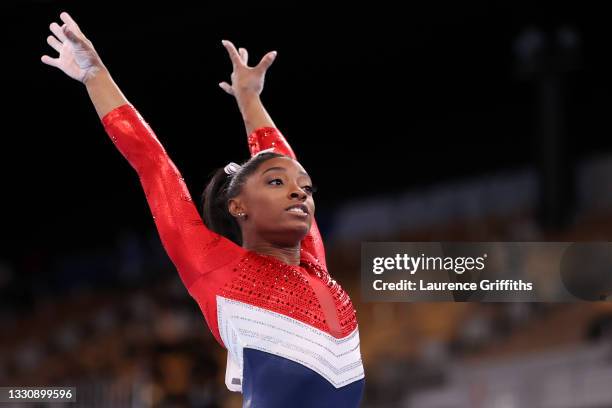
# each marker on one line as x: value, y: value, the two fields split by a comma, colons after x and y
x: 284, y: 162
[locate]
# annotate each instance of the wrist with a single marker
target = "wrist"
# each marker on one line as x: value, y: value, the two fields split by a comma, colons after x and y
x: 247, y: 99
x: 95, y: 74
x: 246, y: 95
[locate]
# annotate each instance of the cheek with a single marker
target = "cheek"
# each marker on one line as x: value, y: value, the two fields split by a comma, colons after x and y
x: 266, y: 204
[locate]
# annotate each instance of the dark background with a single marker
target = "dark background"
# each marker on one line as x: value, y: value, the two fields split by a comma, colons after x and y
x: 374, y: 98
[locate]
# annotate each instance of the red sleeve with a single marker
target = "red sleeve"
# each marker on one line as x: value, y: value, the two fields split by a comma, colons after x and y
x: 192, y: 248
x: 265, y: 138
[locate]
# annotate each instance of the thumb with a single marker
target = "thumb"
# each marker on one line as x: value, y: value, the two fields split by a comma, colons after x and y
x: 266, y: 61
x: 226, y: 87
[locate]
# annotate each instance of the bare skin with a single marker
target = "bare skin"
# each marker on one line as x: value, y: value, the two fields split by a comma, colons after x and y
x: 246, y: 86
x: 79, y: 60
x: 267, y: 227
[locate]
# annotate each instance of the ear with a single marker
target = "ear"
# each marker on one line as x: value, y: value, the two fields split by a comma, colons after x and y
x: 235, y: 206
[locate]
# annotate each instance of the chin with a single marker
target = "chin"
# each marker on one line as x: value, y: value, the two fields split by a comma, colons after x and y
x: 304, y: 226
x: 296, y: 233
x: 300, y: 232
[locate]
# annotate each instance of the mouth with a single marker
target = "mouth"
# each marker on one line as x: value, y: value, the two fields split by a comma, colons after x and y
x: 298, y: 209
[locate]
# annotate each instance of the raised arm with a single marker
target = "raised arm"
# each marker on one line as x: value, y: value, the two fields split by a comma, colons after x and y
x: 79, y: 60
x: 193, y: 248
x: 247, y: 85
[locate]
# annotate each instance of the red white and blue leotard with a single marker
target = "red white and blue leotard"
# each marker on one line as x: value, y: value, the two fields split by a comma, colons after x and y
x: 290, y: 331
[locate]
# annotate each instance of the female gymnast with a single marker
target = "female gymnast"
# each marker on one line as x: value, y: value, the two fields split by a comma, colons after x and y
x: 254, y: 261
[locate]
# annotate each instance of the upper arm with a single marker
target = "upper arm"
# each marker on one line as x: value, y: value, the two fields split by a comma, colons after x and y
x: 193, y: 248
x: 267, y: 137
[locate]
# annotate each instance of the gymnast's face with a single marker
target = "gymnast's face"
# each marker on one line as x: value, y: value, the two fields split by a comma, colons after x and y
x: 278, y: 201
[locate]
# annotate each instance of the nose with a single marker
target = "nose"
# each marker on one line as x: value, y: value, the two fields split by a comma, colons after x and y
x: 297, y: 192
x: 298, y: 195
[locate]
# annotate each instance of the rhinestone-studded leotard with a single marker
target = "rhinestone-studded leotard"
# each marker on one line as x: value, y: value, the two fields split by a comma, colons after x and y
x: 290, y: 331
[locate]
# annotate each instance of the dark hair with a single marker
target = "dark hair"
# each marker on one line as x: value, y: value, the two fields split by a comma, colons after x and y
x: 220, y: 189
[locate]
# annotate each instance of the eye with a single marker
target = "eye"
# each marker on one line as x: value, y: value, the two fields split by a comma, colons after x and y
x: 277, y: 179
x: 310, y: 189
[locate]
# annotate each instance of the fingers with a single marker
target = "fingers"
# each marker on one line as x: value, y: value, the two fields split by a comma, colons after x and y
x: 244, y: 55
x: 57, y: 30
x: 71, y: 35
x: 50, y: 61
x: 69, y: 31
x: 266, y: 61
x: 54, y: 43
x: 227, y: 88
x: 69, y: 21
x: 72, y: 26
x: 232, y: 52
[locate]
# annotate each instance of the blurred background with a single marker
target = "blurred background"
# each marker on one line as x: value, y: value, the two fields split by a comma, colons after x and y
x: 419, y: 122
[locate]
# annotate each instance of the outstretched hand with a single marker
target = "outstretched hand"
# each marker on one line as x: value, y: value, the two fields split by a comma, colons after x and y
x: 245, y: 79
x: 77, y: 57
